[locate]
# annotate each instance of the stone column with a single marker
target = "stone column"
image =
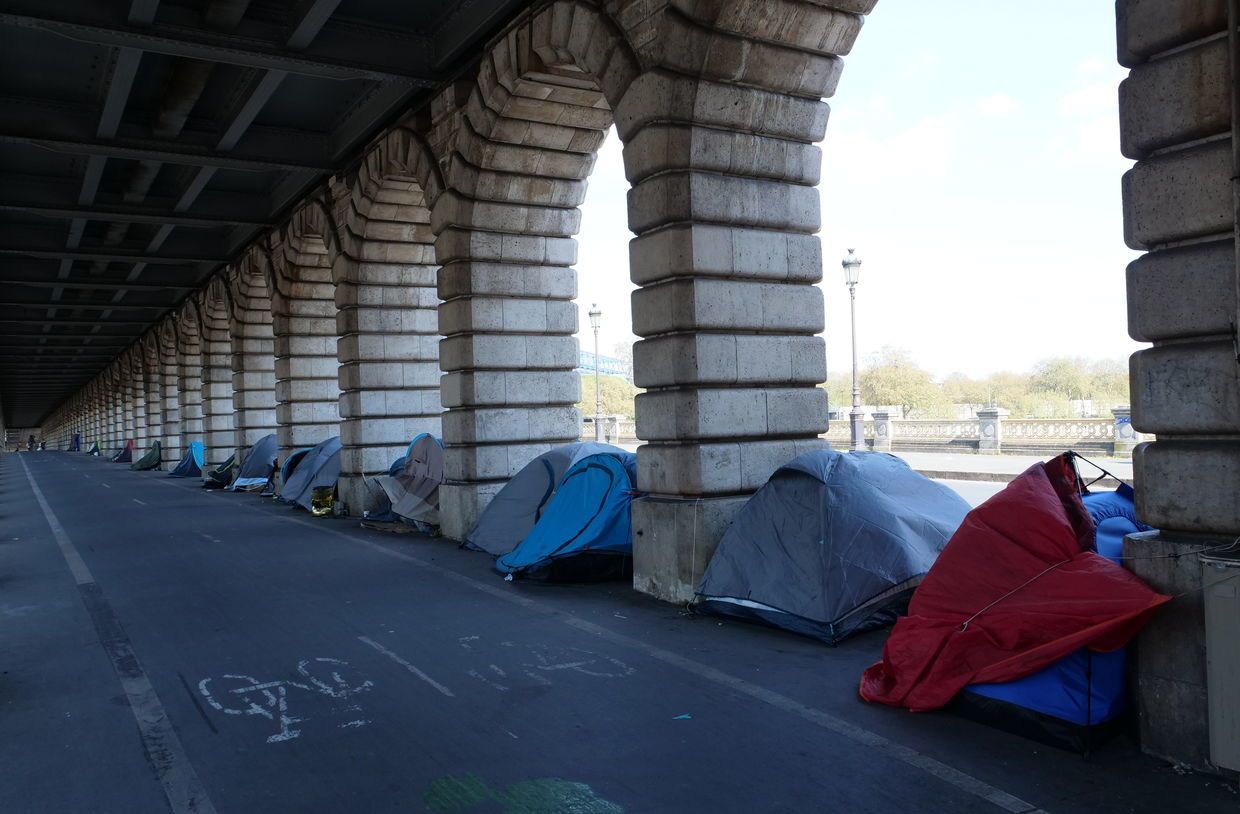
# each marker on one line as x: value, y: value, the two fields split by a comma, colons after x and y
x: 883, y: 431
x: 307, y: 392
x: 990, y: 430
x: 172, y: 447
x: 253, y: 356
x: 135, y: 419
x: 154, y: 397
x: 1177, y: 122
x: 219, y: 428
x: 189, y: 377
x: 387, y: 320
x: 1126, y: 438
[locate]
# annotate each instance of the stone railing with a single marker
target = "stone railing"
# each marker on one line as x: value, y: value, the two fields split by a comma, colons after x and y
x: 993, y: 432
x: 990, y: 433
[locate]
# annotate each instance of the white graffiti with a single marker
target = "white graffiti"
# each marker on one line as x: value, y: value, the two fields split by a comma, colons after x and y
x: 245, y: 695
x: 547, y: 661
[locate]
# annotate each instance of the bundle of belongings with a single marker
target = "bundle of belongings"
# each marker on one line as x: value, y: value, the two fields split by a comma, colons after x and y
x: 1022, y: 619
x: 564, y: 517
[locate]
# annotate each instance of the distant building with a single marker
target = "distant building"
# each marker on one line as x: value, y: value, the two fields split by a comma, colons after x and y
x: 607, y: 365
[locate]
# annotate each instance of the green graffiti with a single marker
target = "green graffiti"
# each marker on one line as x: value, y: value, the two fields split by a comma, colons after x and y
x: 550, y: 795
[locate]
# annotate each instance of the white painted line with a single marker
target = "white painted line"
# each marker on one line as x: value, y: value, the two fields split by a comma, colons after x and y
x: 105, y: 486
x: 860, y: 735
x: 166, y: 755
x: 139, y: 502
x: 406, y: 665
x: 209, y: 537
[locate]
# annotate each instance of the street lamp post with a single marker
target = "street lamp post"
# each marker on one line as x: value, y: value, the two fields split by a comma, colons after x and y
x: 596, y: 319
x: 852, y: 273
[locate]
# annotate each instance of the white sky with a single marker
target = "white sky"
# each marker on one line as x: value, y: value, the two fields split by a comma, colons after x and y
x: 972, y: 159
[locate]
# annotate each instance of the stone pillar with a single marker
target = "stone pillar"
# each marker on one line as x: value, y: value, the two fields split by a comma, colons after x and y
x: 990, y: 430
x: 189, y: 376
x: 387, y: 319
x: 1177, y: 122
x: 172, y: 447
x: 154, y: 396
x: 253, y: 355
x: 135, y: 417
x: 1126, y: 438
x: 883, y: 431
x: 219, y: 428
x: 307, y: 392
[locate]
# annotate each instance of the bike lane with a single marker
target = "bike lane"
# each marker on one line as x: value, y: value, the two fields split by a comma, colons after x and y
x: 310, y: 666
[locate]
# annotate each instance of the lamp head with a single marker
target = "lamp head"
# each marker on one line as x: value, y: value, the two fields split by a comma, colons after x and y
x: 596, y: 316
x: 852, y: 268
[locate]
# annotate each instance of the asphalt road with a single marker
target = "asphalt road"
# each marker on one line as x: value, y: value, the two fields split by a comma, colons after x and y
x: 167, y: 648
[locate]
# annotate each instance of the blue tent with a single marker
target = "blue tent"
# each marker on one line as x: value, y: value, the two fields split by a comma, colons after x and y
x: 191, y: 465
x: 318, y: 467
x: 511, y: 514
x: 1079, y: 700
x: 76, y: 444
x: 833, y: 544
x: 585, y: 531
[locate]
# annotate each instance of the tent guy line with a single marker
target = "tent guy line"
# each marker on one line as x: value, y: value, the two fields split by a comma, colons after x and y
x: 176, y: 775
x: 865, y: 737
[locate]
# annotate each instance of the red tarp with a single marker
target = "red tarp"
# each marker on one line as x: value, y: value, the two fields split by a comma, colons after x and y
x: 1026, y: 550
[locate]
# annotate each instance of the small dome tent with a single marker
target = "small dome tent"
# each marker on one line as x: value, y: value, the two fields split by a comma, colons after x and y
x: 76, y: 444
x: 833, y: 544
x: 260, y: 462
x: 564, y: 516
x: 191, y: 465
x: 412, y: 485
x: 317, y: 468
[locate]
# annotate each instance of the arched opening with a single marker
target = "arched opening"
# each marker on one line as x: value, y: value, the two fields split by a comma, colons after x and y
x: 303, y: 312
x: 212, y: 312
x: 188, y: 374
x: 253, y: 354
x: 172, y: 447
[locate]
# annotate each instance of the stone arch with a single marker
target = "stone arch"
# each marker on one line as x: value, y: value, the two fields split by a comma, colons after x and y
x: 212, y: 310
x: 152, y: 381
x: 515, y: 147
x: 187, y: 328
x: 303, y: 310
x: 169, y: 377
x: 133, y: 396
x: 385, y: 274
x: 253, y: 350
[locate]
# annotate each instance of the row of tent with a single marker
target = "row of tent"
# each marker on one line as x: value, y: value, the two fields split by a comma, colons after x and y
x: 1015, y: 612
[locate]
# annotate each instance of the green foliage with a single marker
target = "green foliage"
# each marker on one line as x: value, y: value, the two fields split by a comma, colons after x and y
x: 839, y: 391
x: 892, y: 377
x: 617, y: 395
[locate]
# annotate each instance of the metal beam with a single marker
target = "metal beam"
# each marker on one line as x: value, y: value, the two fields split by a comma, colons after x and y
x: 106, y: 254
x: 227, y: 49
x: 59, y: 321
x: 128, y: 214
x: 109, y: 285
x: 85, y: 306
x: 170, y: 152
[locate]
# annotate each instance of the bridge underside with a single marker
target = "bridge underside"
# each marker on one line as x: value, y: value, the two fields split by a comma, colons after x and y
x: 228, y: 219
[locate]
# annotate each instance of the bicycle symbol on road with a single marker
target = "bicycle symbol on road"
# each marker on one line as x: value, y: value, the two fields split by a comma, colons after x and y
x: 246, y: 695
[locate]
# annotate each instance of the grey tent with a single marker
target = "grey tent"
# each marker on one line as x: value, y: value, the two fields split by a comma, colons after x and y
x: 833, y: 544
x: 414, y: 490
x: 511, y: 514
x: 259, y: 463
x: 320, y: 467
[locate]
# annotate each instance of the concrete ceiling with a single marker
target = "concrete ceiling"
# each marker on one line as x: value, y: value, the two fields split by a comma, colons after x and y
x: 146, y: 143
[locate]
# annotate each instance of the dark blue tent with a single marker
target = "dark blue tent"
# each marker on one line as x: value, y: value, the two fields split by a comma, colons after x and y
x: 1079, y: 700
x: 319, y: 467
x: 584, y: 532
x: 259, y: 464
x: 124, y: 455
x: 191, y: 465
x: 76, y: 444
x: 833, y: 544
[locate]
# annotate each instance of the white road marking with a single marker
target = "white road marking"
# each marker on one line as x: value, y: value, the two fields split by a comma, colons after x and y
x: 406, y: 665
x: 105, y: 486
x: 176, y: 775
x: 139, y: 502
x: 857, y: 734
x: 209, y: 537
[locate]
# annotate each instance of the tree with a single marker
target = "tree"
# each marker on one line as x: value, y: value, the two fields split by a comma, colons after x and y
x: 617, y: 396
x: 892, y: 377
x: 839, y: 391
x: 1108, y: 382
x: 960, y: 389
x: 1065, y: 375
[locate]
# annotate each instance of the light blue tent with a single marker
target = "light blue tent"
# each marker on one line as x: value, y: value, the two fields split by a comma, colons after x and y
x: 584, y: 531
x: 319, y: 467
x: 191, y: 465
x: 512, y: 513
